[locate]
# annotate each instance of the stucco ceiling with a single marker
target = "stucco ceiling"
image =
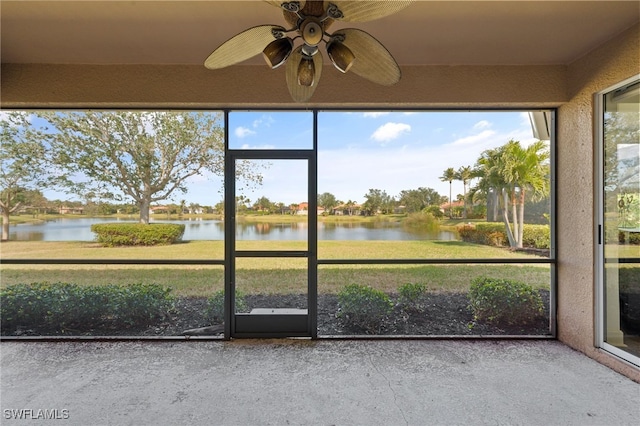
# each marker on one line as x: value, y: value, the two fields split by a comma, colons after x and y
x: 426, y: 33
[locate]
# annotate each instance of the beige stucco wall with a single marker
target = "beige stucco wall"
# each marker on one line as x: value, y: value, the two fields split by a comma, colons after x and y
x: 611, y: 63
x: 30, y: 85
x: 571, y: 88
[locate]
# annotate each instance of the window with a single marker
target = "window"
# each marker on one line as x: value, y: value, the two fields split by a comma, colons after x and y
x: 619, y: 225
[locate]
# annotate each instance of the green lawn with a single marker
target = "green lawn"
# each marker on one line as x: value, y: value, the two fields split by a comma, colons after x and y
x: 268, y: 275
x: 215, y: 250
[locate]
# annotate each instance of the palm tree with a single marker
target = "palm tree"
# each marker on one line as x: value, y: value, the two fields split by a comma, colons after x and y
x: 525, y: 170
x: 349, y: 205
x: 464, y: 174
x: 449, y: 175
x: 509, y: 173
x: 489, y: 168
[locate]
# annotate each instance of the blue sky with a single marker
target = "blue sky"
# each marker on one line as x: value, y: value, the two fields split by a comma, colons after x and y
x: 391, y: 151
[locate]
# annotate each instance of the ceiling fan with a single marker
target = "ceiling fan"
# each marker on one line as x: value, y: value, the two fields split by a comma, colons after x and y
x: 349, y: 49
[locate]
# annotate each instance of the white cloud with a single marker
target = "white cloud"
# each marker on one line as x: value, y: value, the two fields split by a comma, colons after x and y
x: 265, y: 120
x: 374, y: 114
x: 266, y: 146
x: 243, y: 132
x: 390, y: 131
x: 474, y: 139
x: 484, y: 124
x: 525, y: 119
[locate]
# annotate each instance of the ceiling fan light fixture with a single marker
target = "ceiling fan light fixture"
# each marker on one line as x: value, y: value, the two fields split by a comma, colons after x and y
x: 277, y: 52
x: 306, y: 72
x: 341, y: 56
x: 349, y: 49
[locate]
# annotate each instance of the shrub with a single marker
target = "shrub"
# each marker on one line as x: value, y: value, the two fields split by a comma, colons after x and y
x: 60, y: 307
x: 501, y: 301
x: 410, y: 295
x: 363, y: 307
x: 421, y: 220
x: 494, y: 234
x: 536, y: 236
x: 435, y: 211
x: 137, y: 234
x: 634, y: 238
x: 215, y: 306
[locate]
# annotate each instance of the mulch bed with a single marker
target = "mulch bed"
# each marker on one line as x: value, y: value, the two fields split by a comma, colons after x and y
x: 443, y: 314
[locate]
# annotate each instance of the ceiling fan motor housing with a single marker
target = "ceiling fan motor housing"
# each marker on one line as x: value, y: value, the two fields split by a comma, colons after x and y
x: 311, y: 31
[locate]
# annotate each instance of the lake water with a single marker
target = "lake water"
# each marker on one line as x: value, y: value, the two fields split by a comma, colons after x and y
x: 80, y: 230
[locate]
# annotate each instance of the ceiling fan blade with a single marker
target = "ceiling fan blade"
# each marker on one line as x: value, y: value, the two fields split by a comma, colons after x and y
x: 367, y: 10
x: 372, y: 60
x: 298, y: 92
x: 278, y: 3
x: 242, y: 46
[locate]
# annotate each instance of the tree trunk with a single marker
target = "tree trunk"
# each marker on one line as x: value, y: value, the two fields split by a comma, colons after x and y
x: 492, y: 206
x: 450, y: 203
x: 5, y: 224
x: 144, y: 205
x: 521, y: 219
x: 514, y: 218
x: 464, y: 190
x: 505, y: 218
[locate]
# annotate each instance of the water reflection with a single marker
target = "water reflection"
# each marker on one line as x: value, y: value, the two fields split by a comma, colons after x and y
x: 80, y: 230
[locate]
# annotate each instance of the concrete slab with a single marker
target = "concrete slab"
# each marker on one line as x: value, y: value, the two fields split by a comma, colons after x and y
x: 279, y: 382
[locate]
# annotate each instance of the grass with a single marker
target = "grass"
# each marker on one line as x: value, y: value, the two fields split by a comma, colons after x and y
x: 329, y: 249
x: 204, y: 280
x: 267, y: 275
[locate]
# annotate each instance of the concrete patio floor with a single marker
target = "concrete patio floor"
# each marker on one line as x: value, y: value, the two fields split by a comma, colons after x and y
x: 326, y: 382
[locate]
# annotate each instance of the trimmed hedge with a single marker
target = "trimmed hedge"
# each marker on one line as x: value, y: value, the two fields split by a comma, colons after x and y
x: 494, y: 234
x: 634, y: 238
x: 500, y: 301
x: 137, y: 234
x: 60, y: 307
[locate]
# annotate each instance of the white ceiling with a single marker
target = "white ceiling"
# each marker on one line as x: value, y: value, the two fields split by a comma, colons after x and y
x: 426, y: 33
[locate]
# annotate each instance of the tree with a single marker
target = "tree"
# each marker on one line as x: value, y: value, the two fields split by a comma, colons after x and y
x: 327, y: 201
x: 377, y: 200
x: 242, y: 203
x: 23, y: 165
x: 621, y: 167
x: 263, y: 205
x: 416, y: 200
x: 146, y: 156
x: 350, y: 205
x: 449, y: 175
x: 464, y: 174
x: 488, y: 187
x: 509, y: 173
x: 219, y: 207
x: 525, y: 171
